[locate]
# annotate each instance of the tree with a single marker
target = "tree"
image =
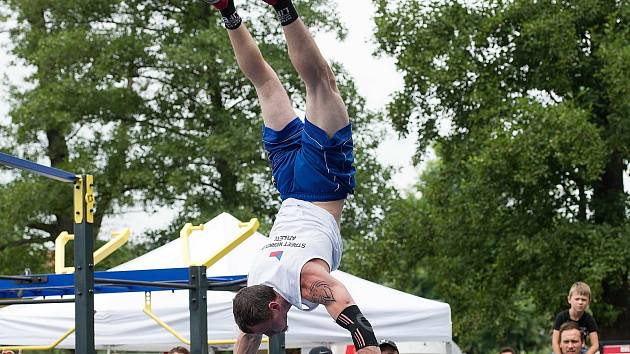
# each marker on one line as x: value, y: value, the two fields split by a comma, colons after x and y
x: 526, y: 106
x: 147, y: 97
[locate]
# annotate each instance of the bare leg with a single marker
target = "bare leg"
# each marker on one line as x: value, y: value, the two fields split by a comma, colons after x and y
x: 276, y: 107
x: 324, y: 106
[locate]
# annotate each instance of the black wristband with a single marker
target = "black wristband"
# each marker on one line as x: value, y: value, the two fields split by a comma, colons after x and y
x: 230, y: 17
x: 359, y: 327
x: 232, y: 21
x: 286, y: 12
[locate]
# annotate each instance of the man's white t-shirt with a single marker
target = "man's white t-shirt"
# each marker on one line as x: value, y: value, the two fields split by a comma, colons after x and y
x: 302, y: 231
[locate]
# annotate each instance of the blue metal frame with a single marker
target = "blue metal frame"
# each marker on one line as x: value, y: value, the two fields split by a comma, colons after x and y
x: 85, y: 283
x: 63, y: 284
x: 46, y: 171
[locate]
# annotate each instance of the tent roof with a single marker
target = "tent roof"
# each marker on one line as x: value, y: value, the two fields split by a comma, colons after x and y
x: 120, y: 322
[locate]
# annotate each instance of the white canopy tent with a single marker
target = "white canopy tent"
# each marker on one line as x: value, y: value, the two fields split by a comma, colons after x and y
x: 120, y: 323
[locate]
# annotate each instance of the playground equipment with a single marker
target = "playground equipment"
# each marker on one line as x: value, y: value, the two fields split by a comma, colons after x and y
x: 83, y: 282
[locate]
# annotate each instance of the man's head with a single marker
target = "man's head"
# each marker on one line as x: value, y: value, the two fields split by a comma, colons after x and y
x: 320, y: 350
x: 388, y: 347
x: 579, y: 296
x: 570, y: 338
x: 258, y: 309
x: 507, y: 350
x: 178, y: 350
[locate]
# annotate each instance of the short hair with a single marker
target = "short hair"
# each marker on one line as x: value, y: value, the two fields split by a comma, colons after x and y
x: 178, y: 350
x: 320, y: 350
x: 507, y: 350
x: 251, y: 306
x: 580, y: 288
x: 388, y: 343
x: 568, y: 326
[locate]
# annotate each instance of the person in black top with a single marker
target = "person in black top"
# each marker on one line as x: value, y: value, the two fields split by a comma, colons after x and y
x: 507, y: 350
x: 579, y: 298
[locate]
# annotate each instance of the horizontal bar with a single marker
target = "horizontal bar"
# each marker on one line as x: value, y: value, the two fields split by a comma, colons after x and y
x: 214, y: 285
x: 101, y: 286
x: 227, y: 285
x: 46, y: 171
x: 63, y: 284
x: 34, y: 301
x: 16, y: 277
x: 227, y: 282
x: 144, y: 283
x: 54, y: 289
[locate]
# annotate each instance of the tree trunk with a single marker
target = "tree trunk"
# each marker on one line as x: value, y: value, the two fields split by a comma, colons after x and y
x: 609, y: 208
x: 58, y: 153
x: 616, y: 292
x: 227, y: 184
x: 608, y: 197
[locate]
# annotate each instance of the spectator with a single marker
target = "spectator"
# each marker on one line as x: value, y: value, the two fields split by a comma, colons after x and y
x: 388, y: 347
x: 579, y: 298
x: 570, y: 338
x: 320, y: 350
x: 178, y: 350
x: 507, y: 350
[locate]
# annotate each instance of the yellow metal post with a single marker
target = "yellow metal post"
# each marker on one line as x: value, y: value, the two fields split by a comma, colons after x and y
x: 118, y: 239
x: 149, y: 312
x: 247, y: 229
x: 60, y: 253
x: 78, y: 200
x: 89, y: 198
x: 41, y: 347
x: 184, y: 233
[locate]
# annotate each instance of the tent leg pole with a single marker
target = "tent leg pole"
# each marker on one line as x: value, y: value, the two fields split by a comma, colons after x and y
x: 277, y: 344
x: 83, y: 270
x: 198, y: 305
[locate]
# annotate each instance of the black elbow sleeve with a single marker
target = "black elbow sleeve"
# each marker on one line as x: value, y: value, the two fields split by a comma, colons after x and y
x: 359, y: 327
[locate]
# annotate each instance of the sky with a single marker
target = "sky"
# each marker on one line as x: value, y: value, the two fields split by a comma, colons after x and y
x: 376, y: 79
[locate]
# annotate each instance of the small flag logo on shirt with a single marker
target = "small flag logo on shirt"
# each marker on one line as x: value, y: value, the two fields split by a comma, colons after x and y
x: 277, y: 254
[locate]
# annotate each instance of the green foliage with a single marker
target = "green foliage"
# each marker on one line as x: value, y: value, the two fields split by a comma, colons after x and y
x: 525, y: 104
x: 147, y: 97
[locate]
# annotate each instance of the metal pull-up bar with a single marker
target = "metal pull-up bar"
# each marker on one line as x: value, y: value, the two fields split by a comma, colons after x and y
x: 83, y: 245
x: 82, y: 283
x: 46, y: 171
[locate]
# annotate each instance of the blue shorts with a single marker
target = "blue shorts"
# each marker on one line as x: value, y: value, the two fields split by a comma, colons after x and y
x: 309, y: 166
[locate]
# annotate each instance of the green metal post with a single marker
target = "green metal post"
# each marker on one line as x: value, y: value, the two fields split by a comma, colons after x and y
x: 84, y: 266
x: 277, y: 344
x: 198, y: 306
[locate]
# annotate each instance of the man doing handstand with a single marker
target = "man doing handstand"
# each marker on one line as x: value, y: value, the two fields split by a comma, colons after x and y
x: 312, y: 169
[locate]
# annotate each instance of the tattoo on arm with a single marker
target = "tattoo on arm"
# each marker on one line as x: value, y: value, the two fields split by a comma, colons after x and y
x: 321, y: 293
